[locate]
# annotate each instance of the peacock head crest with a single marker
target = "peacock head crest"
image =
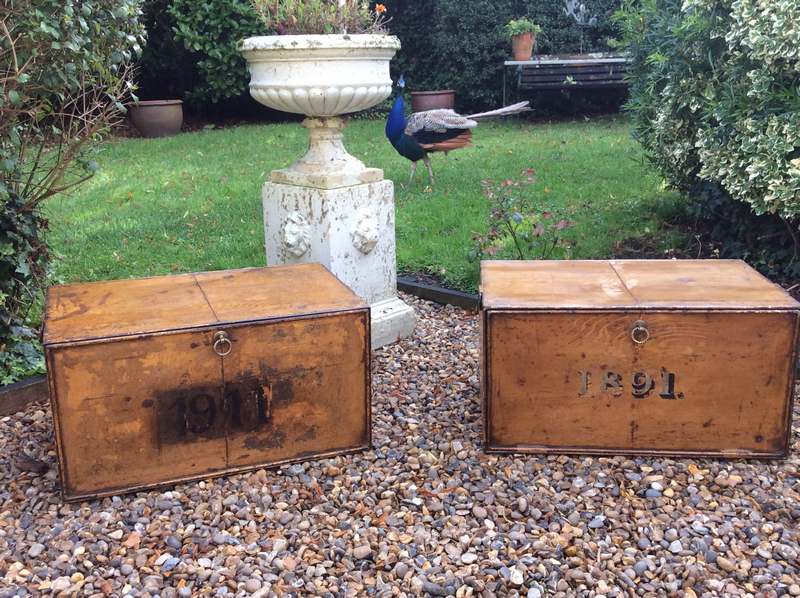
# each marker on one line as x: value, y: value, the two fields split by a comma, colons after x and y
x: 401, y: 82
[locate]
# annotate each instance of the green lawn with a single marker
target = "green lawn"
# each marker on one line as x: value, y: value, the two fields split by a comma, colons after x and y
x: 192, y: 202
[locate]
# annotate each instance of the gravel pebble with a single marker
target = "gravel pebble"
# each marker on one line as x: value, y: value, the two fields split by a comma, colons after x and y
x: 116, y: 534
x: 425, y: 510
x: 362, y: 552
x: 726, y: 564
x: 252, y: 585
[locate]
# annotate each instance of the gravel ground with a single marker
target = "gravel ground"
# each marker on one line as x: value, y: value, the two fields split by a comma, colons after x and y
x: 425, y: 512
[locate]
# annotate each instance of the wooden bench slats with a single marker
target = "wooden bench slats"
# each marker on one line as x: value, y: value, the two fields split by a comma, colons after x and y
x: 574, y: 71
x: 560, y: 67
x: 588, y: 69
x: 536, y: 78
x: 577, y: 84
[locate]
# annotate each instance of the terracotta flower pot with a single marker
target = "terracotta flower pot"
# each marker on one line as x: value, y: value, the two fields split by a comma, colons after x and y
x: 157, y: 118
x: 522, y: 46
x: 432, y: 100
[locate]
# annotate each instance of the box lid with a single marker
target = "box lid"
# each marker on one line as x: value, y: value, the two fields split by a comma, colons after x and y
x: 638, y: 284
x: 87, y: 311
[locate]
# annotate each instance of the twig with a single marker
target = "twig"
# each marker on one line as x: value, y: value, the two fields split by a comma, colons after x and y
x: 794, y: 239
x: 11, y: 43
x: 513, y: 233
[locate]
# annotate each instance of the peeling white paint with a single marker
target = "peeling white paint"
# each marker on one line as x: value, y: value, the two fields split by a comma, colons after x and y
x: 360, y: 217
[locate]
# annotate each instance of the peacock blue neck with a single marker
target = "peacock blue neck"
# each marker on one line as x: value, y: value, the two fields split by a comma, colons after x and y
x: 396, y: 123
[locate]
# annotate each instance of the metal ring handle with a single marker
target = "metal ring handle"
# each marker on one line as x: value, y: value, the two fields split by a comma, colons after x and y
x: 220, y: 339
x: 640, y: 333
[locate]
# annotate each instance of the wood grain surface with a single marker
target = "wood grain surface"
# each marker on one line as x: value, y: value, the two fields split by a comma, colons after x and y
x: 115, y: 308
x: 645, y: 284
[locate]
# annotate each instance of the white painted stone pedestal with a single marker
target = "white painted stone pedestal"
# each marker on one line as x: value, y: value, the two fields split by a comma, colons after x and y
x: 329, y: 208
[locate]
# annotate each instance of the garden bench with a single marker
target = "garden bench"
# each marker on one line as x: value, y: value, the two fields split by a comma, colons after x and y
x: 572, y: 71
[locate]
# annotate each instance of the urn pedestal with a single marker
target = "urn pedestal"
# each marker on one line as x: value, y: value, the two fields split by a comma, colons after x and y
x: 328, y: 207
x: 350, y: 230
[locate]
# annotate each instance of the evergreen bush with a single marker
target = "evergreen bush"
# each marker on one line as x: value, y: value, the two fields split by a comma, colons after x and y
x: 462, y: 45
x: 64, y: 75
x: 166, y: 69
x: 715, y: 104
x: 458, y: 45
x: 211, y: 31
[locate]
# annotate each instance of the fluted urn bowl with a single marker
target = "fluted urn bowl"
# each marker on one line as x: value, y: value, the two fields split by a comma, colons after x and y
x: 323, y: 77
x: 320, y: 75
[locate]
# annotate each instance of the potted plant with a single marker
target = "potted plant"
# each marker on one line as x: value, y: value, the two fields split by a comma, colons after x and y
x: 160, y: 74
x: 523, y: 33
x: 157, y: 118
x: 330, y: 59
x: 432, y: 100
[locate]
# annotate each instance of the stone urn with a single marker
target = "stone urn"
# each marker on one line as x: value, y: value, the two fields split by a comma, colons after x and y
x: 328, y: 206
x: 323, y: 77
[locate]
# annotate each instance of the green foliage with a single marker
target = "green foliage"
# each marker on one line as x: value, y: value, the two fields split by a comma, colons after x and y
x: 446, y: 45
x: 23, y: 264
x: 20, y: 355
x: 522, y: 25
x: 462, y: 45
x: 290, y: 17
x: 166, y: 69
x: 64, y: 73
x: 768, y: 242
x: 714, y: 98
x: 714, y: 95
x: 211, y: 31
x: 518, y: 228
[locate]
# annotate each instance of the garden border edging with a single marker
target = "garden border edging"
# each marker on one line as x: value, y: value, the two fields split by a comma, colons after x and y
x: 16, y: 397
x: 438, y: 294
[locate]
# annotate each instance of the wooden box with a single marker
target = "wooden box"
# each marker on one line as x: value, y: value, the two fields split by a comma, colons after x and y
x: 166, y: 379
x: 684, y: 357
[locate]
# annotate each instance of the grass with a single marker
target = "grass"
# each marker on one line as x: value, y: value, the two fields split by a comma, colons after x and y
x: 192, y: 202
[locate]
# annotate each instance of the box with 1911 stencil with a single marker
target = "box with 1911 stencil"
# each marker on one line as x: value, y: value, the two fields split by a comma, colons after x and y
x: 183, y: 377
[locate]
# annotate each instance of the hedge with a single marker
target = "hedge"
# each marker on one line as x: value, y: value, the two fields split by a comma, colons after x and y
x: 458, y: 45
x: 715, y: 104
x: 64, y: 76
x: 211, y: 31
x: 462, y: 45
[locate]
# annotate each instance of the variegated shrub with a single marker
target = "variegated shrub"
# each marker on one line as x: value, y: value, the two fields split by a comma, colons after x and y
x: 715, y: 95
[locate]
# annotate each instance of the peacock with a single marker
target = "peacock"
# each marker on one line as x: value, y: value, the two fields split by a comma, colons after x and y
x: 440, y: 130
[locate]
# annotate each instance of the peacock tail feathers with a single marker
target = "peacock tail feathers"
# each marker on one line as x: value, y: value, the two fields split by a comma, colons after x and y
x: 463, y: 139
x: 517, y: 108
x: 438, y: 121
